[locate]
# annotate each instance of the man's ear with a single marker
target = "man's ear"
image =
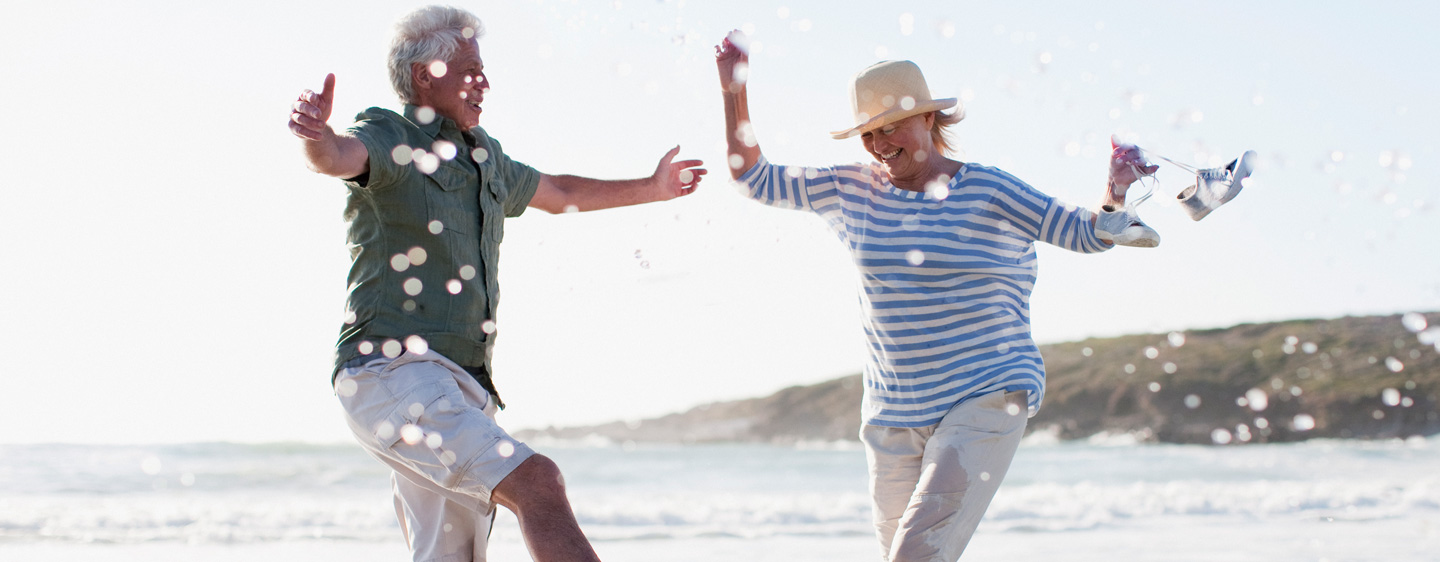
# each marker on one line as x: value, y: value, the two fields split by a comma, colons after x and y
x: 420, y: 76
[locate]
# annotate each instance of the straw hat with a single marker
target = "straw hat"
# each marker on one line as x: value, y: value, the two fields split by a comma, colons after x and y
x: 887, y: 92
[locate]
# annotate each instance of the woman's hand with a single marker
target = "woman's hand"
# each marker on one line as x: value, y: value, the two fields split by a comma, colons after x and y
x: 1127, y: 165
x: 733, y: 62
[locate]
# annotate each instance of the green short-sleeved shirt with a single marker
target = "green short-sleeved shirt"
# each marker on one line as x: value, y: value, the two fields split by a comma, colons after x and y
x: 424, y: 237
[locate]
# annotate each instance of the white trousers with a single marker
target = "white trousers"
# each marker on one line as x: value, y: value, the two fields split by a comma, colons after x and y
x: 931, y: 485
x: 434, y: 425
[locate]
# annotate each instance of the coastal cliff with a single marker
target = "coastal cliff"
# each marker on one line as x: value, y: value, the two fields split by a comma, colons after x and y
x: 1353, y: 377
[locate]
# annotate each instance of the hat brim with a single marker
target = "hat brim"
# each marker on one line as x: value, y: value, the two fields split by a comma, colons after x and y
x: 892, y: 116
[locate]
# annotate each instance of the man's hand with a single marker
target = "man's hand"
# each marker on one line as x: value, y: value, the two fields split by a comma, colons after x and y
x: 310, y: 115
x: 677, y: 178
x: 341, y: 156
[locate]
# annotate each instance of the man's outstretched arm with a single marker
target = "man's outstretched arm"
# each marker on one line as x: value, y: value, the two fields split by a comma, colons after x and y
x: 558, y: 194
x: 326, y: 152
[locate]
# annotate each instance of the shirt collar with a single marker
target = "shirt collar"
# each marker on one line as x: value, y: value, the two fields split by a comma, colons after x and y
x: 436, y: 126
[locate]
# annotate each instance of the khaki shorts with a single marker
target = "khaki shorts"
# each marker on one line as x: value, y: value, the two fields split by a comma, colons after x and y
x: 931, y: 485
x: 432, y: 423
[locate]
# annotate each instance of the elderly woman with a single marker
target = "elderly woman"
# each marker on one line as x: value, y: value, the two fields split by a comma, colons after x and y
x: 946, y: 257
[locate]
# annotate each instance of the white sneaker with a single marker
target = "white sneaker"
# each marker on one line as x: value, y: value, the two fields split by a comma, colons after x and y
x: 1122, y: 226
x: 1216, y: 186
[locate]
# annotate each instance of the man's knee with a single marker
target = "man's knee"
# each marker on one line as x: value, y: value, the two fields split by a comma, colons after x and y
x: 536, y: 480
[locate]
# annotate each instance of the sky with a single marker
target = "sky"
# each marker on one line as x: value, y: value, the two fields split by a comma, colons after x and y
x: 174, y: 273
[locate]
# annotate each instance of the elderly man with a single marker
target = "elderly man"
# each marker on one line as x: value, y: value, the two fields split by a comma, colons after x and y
x: 429, y: 194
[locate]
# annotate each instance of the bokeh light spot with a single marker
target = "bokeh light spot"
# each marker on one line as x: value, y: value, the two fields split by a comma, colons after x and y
x: 417, y: 345
x: 1257, y: 399
x: 401, y: 154
x: 417, y: 256
x: 413, y: 286
x: 467, y: 272
x: 444, y: 149
x: 411, y: 433
x: 1415, y: 322
x: 436, y: 227
x: 438, y: 68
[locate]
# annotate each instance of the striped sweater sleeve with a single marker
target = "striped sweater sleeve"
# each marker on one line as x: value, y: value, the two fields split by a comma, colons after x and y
x: 790, y: 187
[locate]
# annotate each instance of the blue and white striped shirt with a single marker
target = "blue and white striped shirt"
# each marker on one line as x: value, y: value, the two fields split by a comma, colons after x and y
x: 945, y: 278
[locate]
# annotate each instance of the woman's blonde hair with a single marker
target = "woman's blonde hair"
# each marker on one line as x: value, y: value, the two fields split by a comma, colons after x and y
x: 940, y: 134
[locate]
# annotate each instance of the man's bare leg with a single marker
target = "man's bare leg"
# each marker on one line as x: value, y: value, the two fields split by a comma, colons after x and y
x: 535, y: 491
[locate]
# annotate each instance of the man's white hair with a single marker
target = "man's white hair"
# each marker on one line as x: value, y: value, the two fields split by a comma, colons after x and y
x: 429, y: 34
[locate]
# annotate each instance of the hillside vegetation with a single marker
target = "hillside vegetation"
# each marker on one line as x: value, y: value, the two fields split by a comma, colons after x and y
x: 1354, y: 377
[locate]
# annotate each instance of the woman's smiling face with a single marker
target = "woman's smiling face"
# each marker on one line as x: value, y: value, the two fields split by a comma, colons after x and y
x: 905, y: 148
